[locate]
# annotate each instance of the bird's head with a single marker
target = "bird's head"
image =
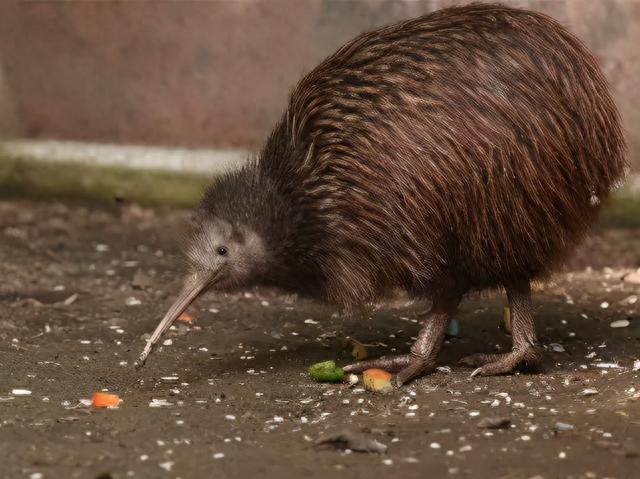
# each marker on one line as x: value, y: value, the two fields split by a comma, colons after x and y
x: 224, y: 255
x: 220, y: 255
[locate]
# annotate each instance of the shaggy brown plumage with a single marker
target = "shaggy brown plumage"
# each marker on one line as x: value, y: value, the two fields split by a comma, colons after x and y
x: 466, y: 149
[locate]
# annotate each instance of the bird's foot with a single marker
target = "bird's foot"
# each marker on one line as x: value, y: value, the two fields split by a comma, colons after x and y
x: 527, y: 358
x: 405, y: 367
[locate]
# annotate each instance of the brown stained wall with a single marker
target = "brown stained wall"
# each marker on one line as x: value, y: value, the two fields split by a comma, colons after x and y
x: 217, y: 73
x: 9, y: 123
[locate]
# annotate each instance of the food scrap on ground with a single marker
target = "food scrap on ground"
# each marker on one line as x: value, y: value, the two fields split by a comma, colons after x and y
x: 21, y: 392
x: 186, y: 318
x: 326, y: 371
x: 377, y: 380
x: 103, y: 399
x: 620, y: 323
x: 506, y: 319
x: 358, y: 349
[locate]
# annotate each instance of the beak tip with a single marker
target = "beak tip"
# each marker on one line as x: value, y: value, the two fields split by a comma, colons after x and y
x: 143, y: 356
x: 189, y: 293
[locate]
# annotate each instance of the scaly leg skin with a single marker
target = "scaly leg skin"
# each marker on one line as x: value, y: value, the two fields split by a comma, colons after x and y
x: 423, y: 354
x: 526, y: 352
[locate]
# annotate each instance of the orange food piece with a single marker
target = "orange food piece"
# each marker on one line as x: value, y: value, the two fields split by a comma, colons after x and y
x: 185, y: 318
x: 377, y: 380
x: 105, y: 400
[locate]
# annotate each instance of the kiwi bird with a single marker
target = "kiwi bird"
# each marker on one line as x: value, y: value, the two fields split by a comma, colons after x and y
x: 460, y: 151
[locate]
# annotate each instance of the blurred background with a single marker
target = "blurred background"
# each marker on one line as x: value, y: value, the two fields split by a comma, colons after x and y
x: 211, y: 77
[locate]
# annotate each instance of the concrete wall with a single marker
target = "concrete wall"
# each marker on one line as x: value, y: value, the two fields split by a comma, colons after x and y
x: 217, y: 73
x: 9, y: 123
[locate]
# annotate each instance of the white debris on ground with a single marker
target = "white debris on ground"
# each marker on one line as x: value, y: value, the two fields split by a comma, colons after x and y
x: 537, y: 407
x: 21, y: 392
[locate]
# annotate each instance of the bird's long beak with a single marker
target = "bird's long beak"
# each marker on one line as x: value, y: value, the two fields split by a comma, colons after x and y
x: 194, y: 285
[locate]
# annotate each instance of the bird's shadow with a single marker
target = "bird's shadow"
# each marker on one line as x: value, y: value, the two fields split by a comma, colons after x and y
x: 480, y: 331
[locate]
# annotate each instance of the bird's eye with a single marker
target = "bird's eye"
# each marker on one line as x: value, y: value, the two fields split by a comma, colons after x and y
x: 222, y: 250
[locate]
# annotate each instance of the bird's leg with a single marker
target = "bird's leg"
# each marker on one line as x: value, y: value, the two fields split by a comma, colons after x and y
x: 422, y: 357
x: 526, y: 352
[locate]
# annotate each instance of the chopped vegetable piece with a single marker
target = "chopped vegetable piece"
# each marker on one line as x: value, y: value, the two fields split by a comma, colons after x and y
x: 185, y: 318
x: 358, y: 349
x: 326, y: 372
x: 377, y: 380
x: 506, y: 318
x: 105, y: 400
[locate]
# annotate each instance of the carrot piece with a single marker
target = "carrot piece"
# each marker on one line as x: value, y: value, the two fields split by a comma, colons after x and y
x: 185, y: 318
x: 105, y: 400
x: 377, y: 380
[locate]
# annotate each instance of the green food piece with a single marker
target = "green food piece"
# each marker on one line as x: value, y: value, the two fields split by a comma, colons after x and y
x: 326, y: 372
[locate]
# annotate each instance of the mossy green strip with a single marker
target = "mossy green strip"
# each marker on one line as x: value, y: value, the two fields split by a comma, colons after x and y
x: 622, y: 210
x: 25, y: 178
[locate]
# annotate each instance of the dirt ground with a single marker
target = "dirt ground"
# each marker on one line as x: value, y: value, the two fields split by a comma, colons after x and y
x: 230, y: 397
